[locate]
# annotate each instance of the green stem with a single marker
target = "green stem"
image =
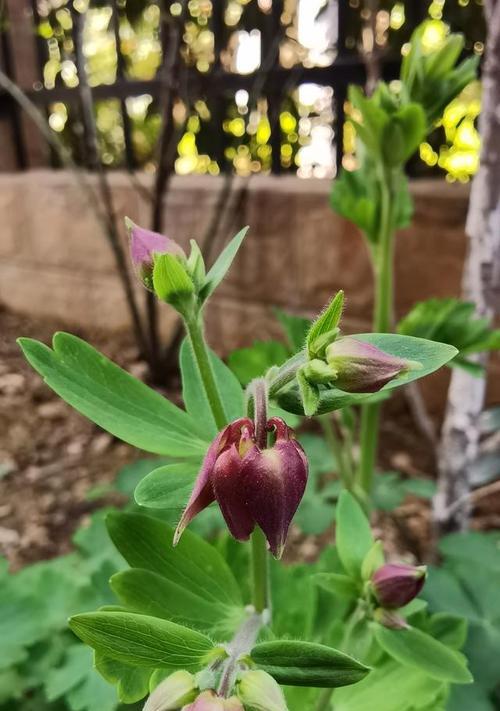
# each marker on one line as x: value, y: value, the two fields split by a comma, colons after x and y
x: 195, y: 332
x: 259, y: 559
x: 382, y: 317
x: 259, y: 563
x: 337, y: 449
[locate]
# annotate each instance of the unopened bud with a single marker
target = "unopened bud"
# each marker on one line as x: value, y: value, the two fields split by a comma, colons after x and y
x: 173, y: 692
x: 260, y: 692
x: 144, y: 245
x: 396, y: 585
x: 362, y: 367
x: 210, y: 701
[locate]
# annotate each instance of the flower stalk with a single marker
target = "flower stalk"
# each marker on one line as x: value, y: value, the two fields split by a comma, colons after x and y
x: 259, y: 558
x: 383, y: 257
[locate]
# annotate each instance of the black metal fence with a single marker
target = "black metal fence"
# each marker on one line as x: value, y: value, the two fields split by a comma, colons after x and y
x: 24, y: 53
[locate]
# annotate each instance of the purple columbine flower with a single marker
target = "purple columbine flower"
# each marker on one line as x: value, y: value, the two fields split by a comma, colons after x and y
x: 210, y: 701
x: 395, y: 585
x: 252, y: 486
x: 144, y: 244
x: 362, y: 367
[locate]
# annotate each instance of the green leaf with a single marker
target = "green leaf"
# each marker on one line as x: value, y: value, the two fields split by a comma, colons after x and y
x: 414, y: 648
x: 171, y: 281
x: 373, y: 560
x: 142, y: 640
x: 430, y: 354
x: 75, y: 680
x: 353, y: 538
x: 340, y: 585
x: 194, y: 564
x: 389, y: 687
x: 451, y: 321
x: 167, y: 487
x: 112, y: 398
x: 307, y: 664
x: 252, y: 362
x: 151, y: 594
x: 194, y: 396
x: 451, y: 630
x: 218, y: 271
x: 132, y: 682
x: 326, y: 322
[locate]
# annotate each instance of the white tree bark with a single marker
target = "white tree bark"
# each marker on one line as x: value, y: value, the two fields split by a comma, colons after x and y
x: 481, y: 284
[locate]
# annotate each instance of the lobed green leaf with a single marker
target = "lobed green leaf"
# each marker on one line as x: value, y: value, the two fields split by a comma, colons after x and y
x: 113, y: 399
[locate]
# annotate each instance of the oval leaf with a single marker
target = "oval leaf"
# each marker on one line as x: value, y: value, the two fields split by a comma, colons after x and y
x: 141, y: 640
x: 193, y: 564
x: 353, y: 535
x: 151, y: 594
x: 167, y: 487
x: 417, y: 649
x: 307, y: 664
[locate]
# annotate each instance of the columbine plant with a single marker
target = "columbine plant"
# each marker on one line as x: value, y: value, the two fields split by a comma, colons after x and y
x: 186, y: 633
x: 390, y: 125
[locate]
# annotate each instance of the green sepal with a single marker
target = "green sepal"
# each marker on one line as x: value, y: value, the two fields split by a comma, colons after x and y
x: 326, y: 323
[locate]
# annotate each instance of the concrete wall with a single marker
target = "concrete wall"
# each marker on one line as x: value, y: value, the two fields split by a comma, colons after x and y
x: 54, y: 260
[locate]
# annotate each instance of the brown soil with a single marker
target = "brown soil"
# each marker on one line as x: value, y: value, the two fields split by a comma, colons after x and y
x: 50, y: 457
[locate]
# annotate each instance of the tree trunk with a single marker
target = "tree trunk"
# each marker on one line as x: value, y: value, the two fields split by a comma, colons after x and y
x: 481, y: 284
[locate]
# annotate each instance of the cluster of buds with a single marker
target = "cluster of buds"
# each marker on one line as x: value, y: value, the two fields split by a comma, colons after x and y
x: 393, y: 586
x: 254, y: 690
x: 164, y: 268
x: 344, y: 362
x: 253, y: 486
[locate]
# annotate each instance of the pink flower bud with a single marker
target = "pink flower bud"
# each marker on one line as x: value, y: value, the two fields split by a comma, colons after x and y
x: 396, y: 585
x: 252, y: 486
x: 209, y: 701
x: 361, y: 367
x: 144, y: 244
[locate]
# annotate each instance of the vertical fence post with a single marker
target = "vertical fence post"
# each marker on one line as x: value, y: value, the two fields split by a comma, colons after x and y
x: 25, y: 71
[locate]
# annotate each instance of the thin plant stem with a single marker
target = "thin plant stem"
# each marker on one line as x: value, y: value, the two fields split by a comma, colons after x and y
x: 259, y: 557
x: 260, y: 582
x: 383, y: 273
x: 194, y: 328
x: 337, y: 449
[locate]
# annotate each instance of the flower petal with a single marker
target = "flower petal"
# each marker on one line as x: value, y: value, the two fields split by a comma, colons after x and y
x: 230, y: 494
x: 274, y: 481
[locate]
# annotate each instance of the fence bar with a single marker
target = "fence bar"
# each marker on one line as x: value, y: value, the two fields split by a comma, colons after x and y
x: 120, y: 73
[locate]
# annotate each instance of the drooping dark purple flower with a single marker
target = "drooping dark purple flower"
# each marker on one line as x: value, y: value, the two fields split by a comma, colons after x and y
x: 144, y: 244
x: 395, y: 585
x: 362, y: 367
x: 252, y: 486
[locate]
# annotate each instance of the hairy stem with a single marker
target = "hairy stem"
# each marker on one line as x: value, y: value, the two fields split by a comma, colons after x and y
x: 259, y: 558
x: 242, y: 643
x: 382, y: 317
x: 194, y: 328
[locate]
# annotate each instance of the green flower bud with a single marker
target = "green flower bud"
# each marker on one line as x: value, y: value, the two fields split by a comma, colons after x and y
x: 260, y: 692
x: 173, y: 692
